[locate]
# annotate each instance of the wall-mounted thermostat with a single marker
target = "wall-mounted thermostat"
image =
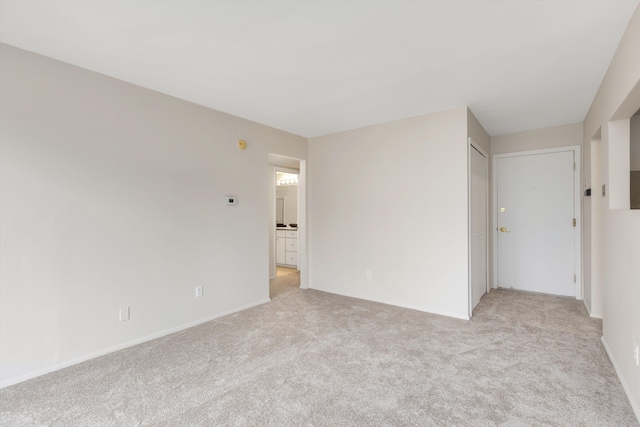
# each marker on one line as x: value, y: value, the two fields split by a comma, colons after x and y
x: 231, y: 200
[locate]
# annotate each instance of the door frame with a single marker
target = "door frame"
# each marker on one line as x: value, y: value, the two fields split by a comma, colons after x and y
x: 472, y: 145
x: 577, y: 242
x: 282, y: 163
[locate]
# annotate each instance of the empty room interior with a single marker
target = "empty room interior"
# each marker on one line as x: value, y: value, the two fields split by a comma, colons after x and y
x: 320, y: 213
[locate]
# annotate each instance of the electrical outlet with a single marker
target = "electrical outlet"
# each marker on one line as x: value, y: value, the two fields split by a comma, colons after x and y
x: 125, y: 314
x: 368, y: 274
x: 636, y: 354
x: 198, y: 291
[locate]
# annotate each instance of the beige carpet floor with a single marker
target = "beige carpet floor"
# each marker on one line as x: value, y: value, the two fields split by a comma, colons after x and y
x: 310, y: 358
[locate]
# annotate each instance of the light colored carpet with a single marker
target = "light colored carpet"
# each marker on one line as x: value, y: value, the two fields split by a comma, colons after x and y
x: 313, y: 358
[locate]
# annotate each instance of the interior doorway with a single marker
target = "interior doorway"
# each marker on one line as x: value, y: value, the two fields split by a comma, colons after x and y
x: 287, y: 224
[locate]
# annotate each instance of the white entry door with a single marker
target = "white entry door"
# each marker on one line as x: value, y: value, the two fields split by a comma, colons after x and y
x: 535, y: 222
x: 478, y: 221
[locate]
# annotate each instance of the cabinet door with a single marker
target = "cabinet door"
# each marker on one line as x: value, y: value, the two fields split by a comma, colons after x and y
x: 281, y: 248
x: 292, y: 245
x: 292, y: 258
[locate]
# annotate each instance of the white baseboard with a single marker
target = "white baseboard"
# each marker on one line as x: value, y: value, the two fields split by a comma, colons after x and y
x: 594, y: 314
x: 634, y: 405
x: 102, y: 352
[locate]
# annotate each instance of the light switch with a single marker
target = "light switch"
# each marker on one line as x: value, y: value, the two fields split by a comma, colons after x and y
x: 231, y: 200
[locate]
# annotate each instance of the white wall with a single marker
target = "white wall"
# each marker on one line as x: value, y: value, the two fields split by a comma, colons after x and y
x: 634, y: 152
x: 476, y: 132
x: 635, y: 143
x: 112, y: 196
x: 617, y: 98
x: 398, y: 207
x: 539, y: 139
x: 589, y: 275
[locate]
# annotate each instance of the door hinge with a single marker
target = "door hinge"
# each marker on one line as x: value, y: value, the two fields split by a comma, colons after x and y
x: 574, y: 222
x: 574, y: 278
x: 574, y: 166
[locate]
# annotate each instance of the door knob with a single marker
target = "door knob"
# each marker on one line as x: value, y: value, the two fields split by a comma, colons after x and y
x: 504, y: 230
